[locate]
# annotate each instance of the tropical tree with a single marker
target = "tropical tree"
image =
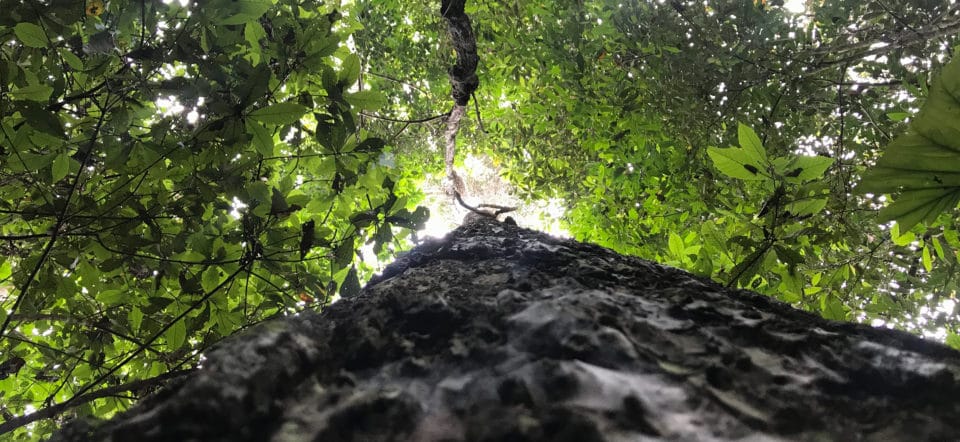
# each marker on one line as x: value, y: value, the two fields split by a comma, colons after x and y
x: 496, y: 332
x: 173, y: 172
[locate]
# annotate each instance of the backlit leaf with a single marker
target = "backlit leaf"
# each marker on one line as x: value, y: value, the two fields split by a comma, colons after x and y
x: 176, y: 335
x: 923, y: 166
x: 736, y: 163
x: 676, y: 245
x: 280, y: 113
x: 366, y: 100
x: 751, y: 144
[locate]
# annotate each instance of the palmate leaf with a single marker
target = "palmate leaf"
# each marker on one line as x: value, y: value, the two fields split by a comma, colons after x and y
x: 915, y: 206
x: 809, y: 168
x: 923, y: 166
x: 737, y: 163
x: 749, y: 162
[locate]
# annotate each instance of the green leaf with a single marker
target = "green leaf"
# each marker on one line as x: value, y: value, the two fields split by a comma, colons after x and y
x: 913, y: 207
x: 927, y: 260
x: 938, y: 118
x: 135, y: 316
x: 812, y: 168
x: 280, y: 113
x: 912, y: 161
x: 901, y: 239
x: 791, y: 285
x: 806, y: 207
x: 60, y: 167
x: 953, y: 340
x: 259, y: 192
x: 110, y: 298
x: 832, y: 308
x: 5, y: 269
x: 34, y: 92
x: 156, y: 304
x: 736, y: 163
x: 675, y: 244
x: 253, y: 32
x: 370, y: 145
x: 366, y: 100
x: 210, y: 279
x: 343, y: 254
x: 236, y: 12
x: 938, y: 247
x: 262, y: 138
x: 176, y: 335
x: 787, y: 255
x: 350, y: 70
x: 745, y: 269
x: 30, y: 35
x: 897, y: 116
x: 924, y: 166
x: 751, y: 143
x: 412, y: 221
x: 71, y: 59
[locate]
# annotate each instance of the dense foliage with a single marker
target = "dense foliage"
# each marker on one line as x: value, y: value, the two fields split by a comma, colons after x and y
x: 170, y: 173
x: 627, y: 111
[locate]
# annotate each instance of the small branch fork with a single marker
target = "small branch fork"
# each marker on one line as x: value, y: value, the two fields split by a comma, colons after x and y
x: 497, y: 210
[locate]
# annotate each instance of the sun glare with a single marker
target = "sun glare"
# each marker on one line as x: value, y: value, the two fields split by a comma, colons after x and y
x: 484, y: 185
x: 795, y: 6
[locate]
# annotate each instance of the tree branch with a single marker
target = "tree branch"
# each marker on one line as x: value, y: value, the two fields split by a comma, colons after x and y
x: 54, y: 410
x: 61, y: 218
x: 419, y: 120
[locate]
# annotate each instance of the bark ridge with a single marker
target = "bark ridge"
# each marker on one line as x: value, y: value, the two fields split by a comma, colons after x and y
x: 500, y: 333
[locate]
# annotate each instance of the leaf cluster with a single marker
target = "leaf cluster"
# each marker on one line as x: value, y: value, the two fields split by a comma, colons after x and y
x: 171, y: 174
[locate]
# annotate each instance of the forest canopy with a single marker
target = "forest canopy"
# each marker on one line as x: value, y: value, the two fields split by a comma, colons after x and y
x: 172, y: 172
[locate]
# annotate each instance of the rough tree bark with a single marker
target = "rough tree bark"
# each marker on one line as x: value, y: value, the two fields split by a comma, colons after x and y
x: 498, y: 333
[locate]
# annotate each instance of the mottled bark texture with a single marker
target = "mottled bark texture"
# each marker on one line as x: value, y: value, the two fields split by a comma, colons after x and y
x: 498, y: 333
x: 463, y: 74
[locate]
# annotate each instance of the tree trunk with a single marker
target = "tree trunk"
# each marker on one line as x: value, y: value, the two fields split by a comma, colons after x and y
x: 498, y: 333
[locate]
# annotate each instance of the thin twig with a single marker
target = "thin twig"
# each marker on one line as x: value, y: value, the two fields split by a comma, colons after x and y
x: 419, y: 120
x: 153, y: 338
x: 59, y: 224
x: 500, y: 209
x: 476, y: 106
x: 54, y: 410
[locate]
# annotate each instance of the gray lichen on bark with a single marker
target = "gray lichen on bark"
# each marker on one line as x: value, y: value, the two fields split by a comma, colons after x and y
x: 501, y: 333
